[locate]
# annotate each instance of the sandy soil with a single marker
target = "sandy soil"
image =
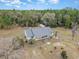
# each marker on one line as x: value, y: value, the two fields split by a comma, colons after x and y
x: 45, y: 49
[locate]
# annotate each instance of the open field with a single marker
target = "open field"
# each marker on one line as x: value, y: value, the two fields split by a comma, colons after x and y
x: 43, y: 50
x: 12, y: 32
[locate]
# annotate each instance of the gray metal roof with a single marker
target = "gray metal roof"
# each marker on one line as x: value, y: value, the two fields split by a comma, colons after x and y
x: 38, y: 32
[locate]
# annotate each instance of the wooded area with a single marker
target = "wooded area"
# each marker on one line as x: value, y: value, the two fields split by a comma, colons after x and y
x: 53, y: 18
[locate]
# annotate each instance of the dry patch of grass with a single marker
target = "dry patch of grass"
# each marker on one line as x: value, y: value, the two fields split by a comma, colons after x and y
x: 12, y: 32
x: 41, y: 50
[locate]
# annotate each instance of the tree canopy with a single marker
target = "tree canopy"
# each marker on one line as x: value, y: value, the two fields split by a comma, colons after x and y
x: 53, y: 18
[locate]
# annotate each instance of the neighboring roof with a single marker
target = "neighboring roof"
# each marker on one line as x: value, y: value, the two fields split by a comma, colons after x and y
x: 38, y: 32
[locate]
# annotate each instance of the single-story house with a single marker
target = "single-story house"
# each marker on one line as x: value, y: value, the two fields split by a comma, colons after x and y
x: 38, y: 33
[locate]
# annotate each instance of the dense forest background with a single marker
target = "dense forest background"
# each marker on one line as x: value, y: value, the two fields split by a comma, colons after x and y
x: 24, y: 18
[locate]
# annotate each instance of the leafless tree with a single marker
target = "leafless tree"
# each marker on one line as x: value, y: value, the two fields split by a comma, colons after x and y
x: 74, y: 29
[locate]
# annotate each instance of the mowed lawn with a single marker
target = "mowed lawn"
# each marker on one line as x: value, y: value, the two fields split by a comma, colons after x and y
x: 42, y: 50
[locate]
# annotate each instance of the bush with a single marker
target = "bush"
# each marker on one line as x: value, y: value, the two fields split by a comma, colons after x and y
x: 52, y: 18
x: 64, y: 55
x: 18, y: 43
x: 31, y: 41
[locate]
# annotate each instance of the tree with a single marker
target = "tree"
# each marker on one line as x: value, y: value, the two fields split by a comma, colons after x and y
x: 59, y: 19
x: 68, y: 21
x: 74, y: 29
x: 49, y: 19
x: 6, y: 22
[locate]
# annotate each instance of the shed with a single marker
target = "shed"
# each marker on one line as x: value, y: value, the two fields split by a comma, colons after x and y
x: 38, y: 33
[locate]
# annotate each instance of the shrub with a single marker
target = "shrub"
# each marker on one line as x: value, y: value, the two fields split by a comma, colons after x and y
x: 18, y: 43
x: 64, y: 55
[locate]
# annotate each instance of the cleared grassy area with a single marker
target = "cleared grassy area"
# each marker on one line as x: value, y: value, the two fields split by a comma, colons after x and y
x: 42, y: 50
x: 20, y: 32
x: 12, y: 32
